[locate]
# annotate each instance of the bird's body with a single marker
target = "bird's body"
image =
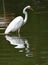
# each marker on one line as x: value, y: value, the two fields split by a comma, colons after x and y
x: 14, y: 25
x: 17, y: 22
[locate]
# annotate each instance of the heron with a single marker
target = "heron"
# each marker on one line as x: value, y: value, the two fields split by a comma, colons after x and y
x: 17, y: 22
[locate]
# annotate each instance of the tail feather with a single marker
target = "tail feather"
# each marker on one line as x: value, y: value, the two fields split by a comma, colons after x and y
x: 6, y: 32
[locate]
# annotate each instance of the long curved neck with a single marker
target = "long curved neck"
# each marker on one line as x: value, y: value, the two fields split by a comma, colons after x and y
x: 26, y: 15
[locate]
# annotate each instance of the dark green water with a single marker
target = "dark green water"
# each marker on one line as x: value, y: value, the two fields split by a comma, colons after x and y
x: 34, y: 35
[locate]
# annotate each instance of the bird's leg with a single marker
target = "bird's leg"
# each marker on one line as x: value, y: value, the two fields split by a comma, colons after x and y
x: 19, y: 32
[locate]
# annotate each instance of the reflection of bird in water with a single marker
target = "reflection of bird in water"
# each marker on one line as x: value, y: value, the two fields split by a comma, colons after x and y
x: 17, y: 22
x: 20, y: 43
x: 17, y: 41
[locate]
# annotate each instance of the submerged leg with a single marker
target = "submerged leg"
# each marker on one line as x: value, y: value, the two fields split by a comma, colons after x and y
x: 19, y: 32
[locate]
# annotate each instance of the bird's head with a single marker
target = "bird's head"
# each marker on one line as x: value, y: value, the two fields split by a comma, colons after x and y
x: 29, y: 7
x: 26, y: 8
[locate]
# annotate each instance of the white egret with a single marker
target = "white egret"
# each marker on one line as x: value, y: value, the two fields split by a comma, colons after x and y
x: 17, y: 22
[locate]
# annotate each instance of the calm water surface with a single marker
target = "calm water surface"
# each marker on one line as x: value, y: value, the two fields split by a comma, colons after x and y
x: 31, y: 48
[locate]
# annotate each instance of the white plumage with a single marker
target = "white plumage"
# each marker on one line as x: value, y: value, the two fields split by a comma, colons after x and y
x: 17, y: 22
x: 14, y: 25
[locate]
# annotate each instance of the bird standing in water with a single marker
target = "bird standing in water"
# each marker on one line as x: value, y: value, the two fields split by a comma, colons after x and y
x: 18, y: 22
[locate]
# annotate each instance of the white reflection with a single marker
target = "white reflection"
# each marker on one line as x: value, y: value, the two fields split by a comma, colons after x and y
x: 20, y: 43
